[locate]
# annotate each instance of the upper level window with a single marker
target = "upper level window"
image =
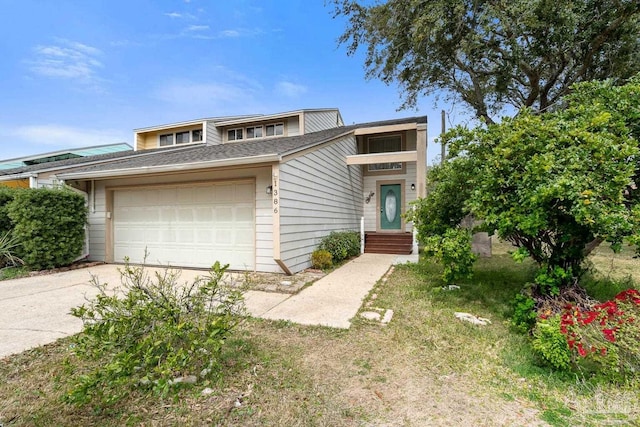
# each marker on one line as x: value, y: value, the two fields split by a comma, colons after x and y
x: 234, y: 134
x: 385, y: 144
x: 166, y: 139
x: 182, y: 137
x: 254, y: 132
x: 274, y: 129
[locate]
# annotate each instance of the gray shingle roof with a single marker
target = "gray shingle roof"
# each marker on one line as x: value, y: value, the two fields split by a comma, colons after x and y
x: 202, y: 153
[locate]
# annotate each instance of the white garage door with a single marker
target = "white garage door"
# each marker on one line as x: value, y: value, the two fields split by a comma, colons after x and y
x: 184, y: 226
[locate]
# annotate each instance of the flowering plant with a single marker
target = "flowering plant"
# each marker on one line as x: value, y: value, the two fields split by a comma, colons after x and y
x: 607, y: 333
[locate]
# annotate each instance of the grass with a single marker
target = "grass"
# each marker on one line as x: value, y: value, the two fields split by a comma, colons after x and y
x: 8, y: 273
x: 424, y: 368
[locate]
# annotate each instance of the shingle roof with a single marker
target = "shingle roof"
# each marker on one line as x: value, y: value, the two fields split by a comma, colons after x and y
x: 201, y: 153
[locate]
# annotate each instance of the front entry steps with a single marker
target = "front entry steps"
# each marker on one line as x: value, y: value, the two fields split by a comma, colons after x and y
x: 388, y: 243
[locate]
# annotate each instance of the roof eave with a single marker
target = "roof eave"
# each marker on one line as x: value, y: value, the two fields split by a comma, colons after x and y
x: 144, y: 170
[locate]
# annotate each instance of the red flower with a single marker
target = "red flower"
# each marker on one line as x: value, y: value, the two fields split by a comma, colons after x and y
x: 571, y: 343
x: 581, y: 350
x: 591, y: 316
x: 608, y: 334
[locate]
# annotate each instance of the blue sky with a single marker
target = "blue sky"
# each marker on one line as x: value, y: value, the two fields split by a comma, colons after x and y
x: 81, y: 73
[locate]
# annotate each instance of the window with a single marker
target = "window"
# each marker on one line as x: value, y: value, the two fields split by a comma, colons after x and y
x: 234, y: 134
x: 254, y: 132
x: 385, y: 144
x: 274, y: 129
x: 166, y: 139
x: 182, y: 137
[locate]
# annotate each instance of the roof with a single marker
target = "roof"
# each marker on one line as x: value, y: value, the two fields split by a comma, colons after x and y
x: 63, y: 154
x: 238, y: 153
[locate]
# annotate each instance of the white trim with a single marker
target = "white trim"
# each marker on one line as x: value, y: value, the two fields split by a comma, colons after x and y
x: 367, y: 159
x: 143, y: 170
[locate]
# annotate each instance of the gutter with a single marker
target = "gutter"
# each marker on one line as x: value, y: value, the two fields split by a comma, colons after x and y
x: 143, y: 170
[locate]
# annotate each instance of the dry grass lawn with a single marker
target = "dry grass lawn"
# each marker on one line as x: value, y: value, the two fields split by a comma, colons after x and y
x: 425, y: 368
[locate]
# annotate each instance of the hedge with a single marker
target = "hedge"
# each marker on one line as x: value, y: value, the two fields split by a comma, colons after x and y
x: 6, y: 196
x: 49, y: 226
x: 341, y: 244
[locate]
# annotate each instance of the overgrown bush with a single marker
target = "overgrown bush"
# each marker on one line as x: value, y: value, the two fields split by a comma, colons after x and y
x: 341, y: 245
x: 49, y: 225
x: 550, y: 343
x: 321, y: 259
x: 153, y: 333
x: 607, y: 335
x: 524, y: 313
x: 6, y: 196
x: 453, y: 251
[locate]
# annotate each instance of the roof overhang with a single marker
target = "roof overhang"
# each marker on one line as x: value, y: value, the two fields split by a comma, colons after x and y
x: 370, y: 159
x: 144, y: 170
x: 386, y: 129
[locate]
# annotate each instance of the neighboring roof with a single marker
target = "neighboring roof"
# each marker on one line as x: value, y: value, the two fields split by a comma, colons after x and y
x: 200, y: 156
x: 62, y: 155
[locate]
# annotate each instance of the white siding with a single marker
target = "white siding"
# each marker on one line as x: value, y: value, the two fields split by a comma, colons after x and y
x: 263, y: 214
x: 320, y: 120
x: 319, y: 193
x: 293, y: 126
x: 213, y: 134
x: 370, y: 184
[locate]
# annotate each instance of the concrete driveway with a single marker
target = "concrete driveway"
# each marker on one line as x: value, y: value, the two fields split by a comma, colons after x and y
x: 35, y: 310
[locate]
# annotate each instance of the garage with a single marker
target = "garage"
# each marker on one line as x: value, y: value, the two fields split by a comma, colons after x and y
x: 186, y: 225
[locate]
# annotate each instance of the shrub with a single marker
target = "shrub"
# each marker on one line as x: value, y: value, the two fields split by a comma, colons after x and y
x: 153, y: 333
x: 608, y: 334
x: 550, y: 343
x: 6, y: 196
x: 524, y: 313
x: 341, y: 245
x: 321, y: 259
x: 453, y: 251
x: 49, y: 225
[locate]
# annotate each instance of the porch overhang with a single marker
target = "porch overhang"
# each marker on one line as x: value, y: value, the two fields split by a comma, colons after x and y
x: 395, y: 157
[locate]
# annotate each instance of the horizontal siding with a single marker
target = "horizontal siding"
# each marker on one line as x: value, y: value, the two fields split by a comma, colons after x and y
x: 320, y: 120
x: 370, y: 184
x: 319, y: 193
x: 263, y: 213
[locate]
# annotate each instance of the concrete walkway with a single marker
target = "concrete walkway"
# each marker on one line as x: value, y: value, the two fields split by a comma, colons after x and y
x: 35, y: 310
x: 331, y: 301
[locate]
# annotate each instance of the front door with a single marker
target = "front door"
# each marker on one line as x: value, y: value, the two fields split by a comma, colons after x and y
x: 390, y: 206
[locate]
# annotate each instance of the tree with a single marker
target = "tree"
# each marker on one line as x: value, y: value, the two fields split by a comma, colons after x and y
x: 554, y: 184
x: 522, y: 53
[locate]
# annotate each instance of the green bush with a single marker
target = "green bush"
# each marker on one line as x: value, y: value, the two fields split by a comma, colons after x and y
x: 341, y: 244
x: 453, y: 251
x: 153, y: 334
x: 49, y: 225
x: 524, y: 313
x: 321, y: 259
x: 550, y: 343
x: 6, y: 197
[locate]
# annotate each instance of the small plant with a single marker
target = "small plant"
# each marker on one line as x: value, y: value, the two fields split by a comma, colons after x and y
x: 524, y: 313
x: 608, y: 334
x: 8, y: 246
x: 453, y: 251
x: 321, y: 259
x: 550, y: 343
x: 341, y: 245
x: 153, y: 333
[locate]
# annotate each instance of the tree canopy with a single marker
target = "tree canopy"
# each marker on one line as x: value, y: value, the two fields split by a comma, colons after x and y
x: 554, y: 184
x: 492, y: 53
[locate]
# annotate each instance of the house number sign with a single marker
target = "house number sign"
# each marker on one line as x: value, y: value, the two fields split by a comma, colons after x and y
x: 275, y: 196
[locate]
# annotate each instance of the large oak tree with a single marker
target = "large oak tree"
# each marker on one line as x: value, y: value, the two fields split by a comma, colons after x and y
x: 492, y: 53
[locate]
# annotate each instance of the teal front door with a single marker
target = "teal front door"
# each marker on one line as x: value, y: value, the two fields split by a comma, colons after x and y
x: 390, y: 206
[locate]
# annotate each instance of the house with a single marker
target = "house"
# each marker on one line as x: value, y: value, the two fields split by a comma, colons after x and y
x: 257, y: 192
x: 22, y: 172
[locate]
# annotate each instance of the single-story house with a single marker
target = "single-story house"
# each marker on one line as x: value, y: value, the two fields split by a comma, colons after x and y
x: 257, y: 192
